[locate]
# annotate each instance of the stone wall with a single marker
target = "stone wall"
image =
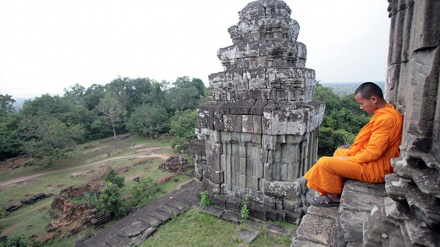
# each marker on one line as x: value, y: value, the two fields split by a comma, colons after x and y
x: 259, y: 132
x: 410, y: 215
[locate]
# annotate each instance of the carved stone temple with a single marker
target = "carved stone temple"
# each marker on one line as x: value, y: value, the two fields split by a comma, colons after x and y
x: 259, y: 132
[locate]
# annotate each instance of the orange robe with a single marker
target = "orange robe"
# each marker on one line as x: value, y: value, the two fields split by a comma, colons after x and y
x: 368, y: 157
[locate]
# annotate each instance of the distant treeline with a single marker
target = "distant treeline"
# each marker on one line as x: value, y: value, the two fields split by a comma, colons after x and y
x: 346, y: 88
x: 46, y: 126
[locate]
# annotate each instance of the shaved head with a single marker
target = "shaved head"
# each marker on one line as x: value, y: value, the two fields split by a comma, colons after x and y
x: 368, y: 89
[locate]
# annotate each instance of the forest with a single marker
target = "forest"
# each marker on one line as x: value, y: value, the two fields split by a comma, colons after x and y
x: 46, y: 126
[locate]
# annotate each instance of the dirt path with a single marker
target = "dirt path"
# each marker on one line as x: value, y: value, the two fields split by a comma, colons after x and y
x: 138, y: 154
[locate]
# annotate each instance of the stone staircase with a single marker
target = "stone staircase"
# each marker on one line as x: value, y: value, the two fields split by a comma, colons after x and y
x: 343, y: 225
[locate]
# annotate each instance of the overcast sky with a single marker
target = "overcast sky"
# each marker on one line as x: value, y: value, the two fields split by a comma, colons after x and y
x: 49, y: 45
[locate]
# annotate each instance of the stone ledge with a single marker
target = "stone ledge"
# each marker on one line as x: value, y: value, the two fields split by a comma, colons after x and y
x: 343, y: 225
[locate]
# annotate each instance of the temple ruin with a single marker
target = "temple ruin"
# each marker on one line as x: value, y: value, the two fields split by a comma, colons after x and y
x: 259, y: 132
x: 410, y: 214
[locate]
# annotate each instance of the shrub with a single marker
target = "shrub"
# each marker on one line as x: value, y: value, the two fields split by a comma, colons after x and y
x: 110, y: 201
x: 204, y: 199
x: 15, y: 241
x: 144, y: 192
x: 245, y: 208
x: 112, y: 177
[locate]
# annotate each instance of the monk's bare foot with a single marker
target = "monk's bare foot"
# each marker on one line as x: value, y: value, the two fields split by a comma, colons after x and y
x: 334, y: 197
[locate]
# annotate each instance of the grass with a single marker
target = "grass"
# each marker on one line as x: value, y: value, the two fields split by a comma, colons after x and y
x: 194, y: 228
x: 130, y: 156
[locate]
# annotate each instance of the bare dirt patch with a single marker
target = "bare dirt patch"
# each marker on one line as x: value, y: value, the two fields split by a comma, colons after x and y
x: 138, y: 154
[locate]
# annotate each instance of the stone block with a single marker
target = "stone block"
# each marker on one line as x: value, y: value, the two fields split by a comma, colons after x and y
x: 316, y: 229
x: 226, y: 136
x: 166, y: 209
x: 247, y: 235
x: 236, y: 137
x: 241, y: 182
x: 258, y: 169
x: 257, y: 124
x: 216, y: 177
x: 252, y: 183
x: 247, y: 125
x: 243, y: 162
x: 232, y: 217
x: 219, y: 200
x: 145, y: 234
x: 213, y: 188
x: 329, y: 212
x: 213, y: 210
x: 236, y: 123
x: 233, y: 204
x: 227, y: 148
x: 118, y: 240
x: 228, y: 170
x: 256, y: 139
x: 242, y: 151
x: 228, y: 123
x: 271, y: 215
x: 223, y: 162
x: 296, y: 128
x: 354, y: 200
x: 215, y: 162
x: 350, y: 225
x: 246, y: 138
x: 134, y: 228
x: 149, y: 220
x: 258, y: 211
x: 268, y: 142
x: 283, y: 172
x: 180, y: 206
x: 258, y: 107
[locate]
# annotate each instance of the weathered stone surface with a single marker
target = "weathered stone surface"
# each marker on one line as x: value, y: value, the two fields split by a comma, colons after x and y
x: 232, y: 217
x: 315, y: 229
x: 262, y: 99
x: 247, y: 235
x: 160, y: 216
x: 118, y: 241
x: 233, y: 204
x: 145, y: 234
x: 213, y: 210
x: 149, y: 219
x: 134, y: 229
x: 276, y: 229
x: 306, y: 243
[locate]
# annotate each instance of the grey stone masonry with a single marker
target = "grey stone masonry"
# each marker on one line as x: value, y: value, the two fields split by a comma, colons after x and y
x: 344, y: 225
x: 411, y: 211
x: 136, y: 227
x: 258, y: 134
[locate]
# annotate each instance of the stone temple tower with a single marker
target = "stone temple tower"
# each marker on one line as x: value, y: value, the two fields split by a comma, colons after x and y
x: 259, y: 132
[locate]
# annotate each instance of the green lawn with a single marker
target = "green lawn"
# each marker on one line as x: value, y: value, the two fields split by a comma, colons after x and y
x: 131, y: 156
x: 195, y: 228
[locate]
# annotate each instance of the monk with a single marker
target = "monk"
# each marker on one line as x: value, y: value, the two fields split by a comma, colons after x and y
x: 368, y: 158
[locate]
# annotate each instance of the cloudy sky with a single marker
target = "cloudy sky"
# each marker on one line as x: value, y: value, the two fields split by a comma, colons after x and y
x: 49, y: 45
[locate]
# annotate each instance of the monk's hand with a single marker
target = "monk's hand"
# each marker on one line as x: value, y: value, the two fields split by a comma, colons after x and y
x: 342, y: 157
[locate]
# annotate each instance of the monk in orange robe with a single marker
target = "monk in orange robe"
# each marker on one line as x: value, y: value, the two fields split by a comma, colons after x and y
x: 368, y: 159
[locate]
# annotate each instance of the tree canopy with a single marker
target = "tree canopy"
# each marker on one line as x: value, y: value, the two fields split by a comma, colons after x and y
x: 47, y: 125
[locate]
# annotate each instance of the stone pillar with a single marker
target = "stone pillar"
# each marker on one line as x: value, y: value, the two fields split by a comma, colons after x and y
x: 258, y: 134
x: 409, y: 217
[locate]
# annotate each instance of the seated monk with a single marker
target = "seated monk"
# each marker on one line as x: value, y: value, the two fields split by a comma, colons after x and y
x: 368, y: 159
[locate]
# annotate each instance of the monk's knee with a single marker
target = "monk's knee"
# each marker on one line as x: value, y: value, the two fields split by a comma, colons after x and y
x: 325, y: 162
